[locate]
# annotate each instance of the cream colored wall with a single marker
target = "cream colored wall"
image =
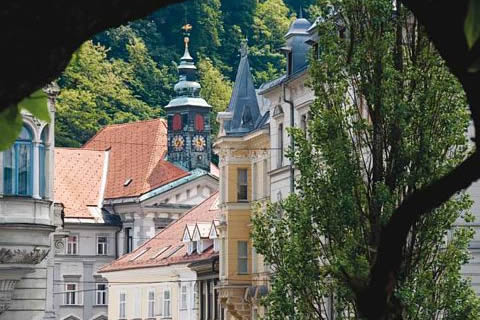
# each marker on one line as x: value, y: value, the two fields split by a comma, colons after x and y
x: 138, y: 282
x: 238, y: 229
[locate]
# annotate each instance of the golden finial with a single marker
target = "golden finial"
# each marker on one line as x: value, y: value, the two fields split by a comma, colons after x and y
x: 187, y: 27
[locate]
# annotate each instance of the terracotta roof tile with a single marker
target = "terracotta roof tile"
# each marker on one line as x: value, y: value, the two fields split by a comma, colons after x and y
x: 78, y: 180
x: 170, y: 238
x: 137, y: 152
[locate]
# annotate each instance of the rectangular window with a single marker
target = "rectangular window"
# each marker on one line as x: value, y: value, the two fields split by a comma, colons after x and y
x: 166, y: 303
x: 242, y: 256
x: 128, y: 240
x: 280, y: 146
x: 101, y: 245
x: 183, y: 294
x: 123, y: 305
x: 151, y: 304
x: 71, y: 294
x: 101, y: 294
x: 72, y: 245
x: 242, y: 181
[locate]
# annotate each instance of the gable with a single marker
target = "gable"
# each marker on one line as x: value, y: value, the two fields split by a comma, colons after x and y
x: 186, y: 235
x: 213, y: 234
x: 196, y: 234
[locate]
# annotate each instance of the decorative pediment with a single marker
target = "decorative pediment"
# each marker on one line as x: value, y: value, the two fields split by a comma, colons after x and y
x: 100, y: 317
x: 71, y: 317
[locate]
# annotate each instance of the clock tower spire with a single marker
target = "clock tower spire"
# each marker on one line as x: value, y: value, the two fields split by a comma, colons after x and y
x: 188, y: 116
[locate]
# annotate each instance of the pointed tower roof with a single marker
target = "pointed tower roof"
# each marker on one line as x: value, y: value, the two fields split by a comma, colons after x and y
x: 187, y: 88
x: 243, y: 103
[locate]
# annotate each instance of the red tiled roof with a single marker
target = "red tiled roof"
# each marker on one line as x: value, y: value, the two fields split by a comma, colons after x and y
x: 153, y: 254
x: 137, y: 152
x: 78, y: 180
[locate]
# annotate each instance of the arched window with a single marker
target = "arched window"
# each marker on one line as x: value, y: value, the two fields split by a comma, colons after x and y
x: 42, y: 162
x: 17, y: 166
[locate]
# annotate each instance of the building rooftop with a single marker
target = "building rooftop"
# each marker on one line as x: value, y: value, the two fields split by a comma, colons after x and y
x: 79, y: 181
x: 137, y: 152
x: 167, y: 247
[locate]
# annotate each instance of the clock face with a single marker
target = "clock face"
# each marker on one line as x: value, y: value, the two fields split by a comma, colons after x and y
x: 178, y: 142
x: 198, y: 143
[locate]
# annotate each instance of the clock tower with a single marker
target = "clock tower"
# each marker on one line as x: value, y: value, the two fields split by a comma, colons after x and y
x: 188, y: 117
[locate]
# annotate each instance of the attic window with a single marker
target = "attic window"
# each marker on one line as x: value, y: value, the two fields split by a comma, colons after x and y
x: 172, y: 252
x: 139, y: 254
x: 159, y: 253
x: 127, y: 182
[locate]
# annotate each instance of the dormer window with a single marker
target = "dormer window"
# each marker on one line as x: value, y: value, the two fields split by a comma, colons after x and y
x: 192, y: 247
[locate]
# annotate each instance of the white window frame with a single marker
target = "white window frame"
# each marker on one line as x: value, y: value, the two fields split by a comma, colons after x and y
x: 151, y: 303
x: 241, y: 184
x: 122, y: 311
x: 216, y: 245
x: 167, y: 303
x: 242, y: 260
x: 183, y: 297
x: 101, y: 294
x: 72, y: 246
x: 104, y: 246
x: 71, y: 294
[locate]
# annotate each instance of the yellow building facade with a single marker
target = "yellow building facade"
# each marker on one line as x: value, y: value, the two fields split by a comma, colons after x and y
x: 243, y: 148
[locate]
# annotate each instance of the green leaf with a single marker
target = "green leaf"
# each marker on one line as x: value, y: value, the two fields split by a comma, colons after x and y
x: 10, y: 126
x: 37, y: 105
x: 472, y: 23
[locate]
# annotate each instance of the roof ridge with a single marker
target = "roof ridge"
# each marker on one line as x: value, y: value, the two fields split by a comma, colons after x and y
x: 78, y: 149
x: 114, y: 125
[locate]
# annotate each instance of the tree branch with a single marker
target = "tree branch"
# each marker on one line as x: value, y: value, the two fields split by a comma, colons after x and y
x: 373, y: 303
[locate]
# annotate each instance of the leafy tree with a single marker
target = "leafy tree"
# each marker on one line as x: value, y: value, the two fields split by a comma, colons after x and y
x: 388, y: 120
x: 216, y: 89
x: 151, y: 84
x: 94, y: 93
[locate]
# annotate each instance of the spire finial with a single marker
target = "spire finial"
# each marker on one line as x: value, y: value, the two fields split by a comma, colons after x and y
x: 244, y: 48
x: 300, y: 13
x: 186, y: 33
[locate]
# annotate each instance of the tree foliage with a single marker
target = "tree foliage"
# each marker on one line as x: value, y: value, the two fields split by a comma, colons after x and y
x: 388, y: 120
x: 95, y: 92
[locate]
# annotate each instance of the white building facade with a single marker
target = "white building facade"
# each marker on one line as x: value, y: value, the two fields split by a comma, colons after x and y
x: 27, y: 221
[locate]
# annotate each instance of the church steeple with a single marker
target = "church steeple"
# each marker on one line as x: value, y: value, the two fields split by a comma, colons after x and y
x: 188, y: 117
x: 243, y: 104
